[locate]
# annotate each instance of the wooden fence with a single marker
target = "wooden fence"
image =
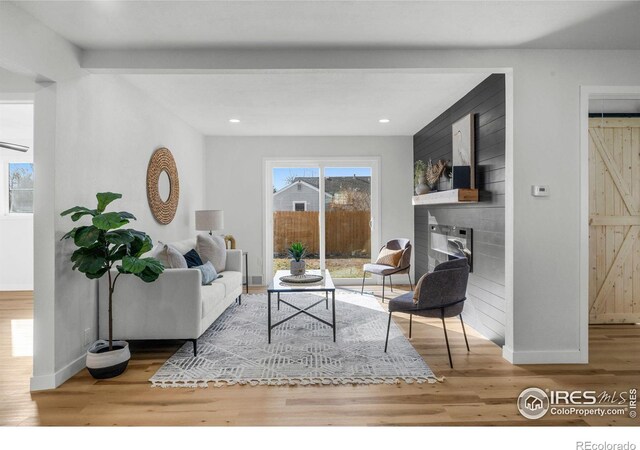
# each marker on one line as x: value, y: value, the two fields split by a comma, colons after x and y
x: 347, y: 232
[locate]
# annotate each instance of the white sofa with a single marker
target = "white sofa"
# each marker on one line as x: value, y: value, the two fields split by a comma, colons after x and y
x: 175, y: 306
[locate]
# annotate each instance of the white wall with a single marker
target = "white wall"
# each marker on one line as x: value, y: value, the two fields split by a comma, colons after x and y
x: 234, y: 181
x: 16, y: 230
x: 106, y: 132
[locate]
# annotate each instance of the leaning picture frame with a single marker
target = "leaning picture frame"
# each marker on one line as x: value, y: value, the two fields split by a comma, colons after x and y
x: 463, y: 146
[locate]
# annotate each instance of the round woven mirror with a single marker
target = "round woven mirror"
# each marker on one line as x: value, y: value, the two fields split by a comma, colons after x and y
x: 163, y: 186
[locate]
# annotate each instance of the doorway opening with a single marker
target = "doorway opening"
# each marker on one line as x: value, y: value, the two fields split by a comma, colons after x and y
x: 611, y: 208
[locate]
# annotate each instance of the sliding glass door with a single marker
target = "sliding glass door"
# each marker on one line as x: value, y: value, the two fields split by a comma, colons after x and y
x: 330, y: 206
x: 347, y: 230
x: 296, y: 214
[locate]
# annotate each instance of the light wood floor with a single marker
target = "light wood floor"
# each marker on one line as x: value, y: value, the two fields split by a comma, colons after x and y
x: 481, y: 390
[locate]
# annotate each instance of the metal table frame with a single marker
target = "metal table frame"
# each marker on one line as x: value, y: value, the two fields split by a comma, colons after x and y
x: 324, y: 289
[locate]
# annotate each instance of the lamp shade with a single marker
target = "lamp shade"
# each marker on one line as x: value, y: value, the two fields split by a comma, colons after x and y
x: 209, y: 220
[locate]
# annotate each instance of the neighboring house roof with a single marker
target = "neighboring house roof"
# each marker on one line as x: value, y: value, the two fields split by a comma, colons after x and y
x: 289, y: 186
x: 337, y: 184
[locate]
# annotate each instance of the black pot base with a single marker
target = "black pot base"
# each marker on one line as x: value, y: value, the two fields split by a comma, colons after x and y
x: 108, y: 372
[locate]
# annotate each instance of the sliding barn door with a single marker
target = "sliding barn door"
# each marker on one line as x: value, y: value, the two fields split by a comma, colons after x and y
x: 614, y: 231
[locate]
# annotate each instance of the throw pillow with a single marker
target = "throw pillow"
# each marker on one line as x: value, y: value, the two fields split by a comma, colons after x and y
x: 416, y: 292
x: 208, y: 273
x: 192, y: 258
x: 174, y: 258
x: 389, y: 257
x: 212, y: 249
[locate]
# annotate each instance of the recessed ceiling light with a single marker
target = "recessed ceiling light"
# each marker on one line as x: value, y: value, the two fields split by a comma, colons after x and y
x: 234, y: 120
x: 384, y: 121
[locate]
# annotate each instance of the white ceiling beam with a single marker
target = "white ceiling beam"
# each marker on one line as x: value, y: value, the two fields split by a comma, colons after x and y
x: 29, y: 48
x: 241, y: 60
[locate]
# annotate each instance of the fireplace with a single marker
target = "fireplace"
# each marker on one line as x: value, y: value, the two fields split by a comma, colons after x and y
x: 449, y: 242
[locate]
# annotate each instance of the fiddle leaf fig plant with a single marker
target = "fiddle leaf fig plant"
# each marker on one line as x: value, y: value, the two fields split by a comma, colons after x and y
x: 105, y: 244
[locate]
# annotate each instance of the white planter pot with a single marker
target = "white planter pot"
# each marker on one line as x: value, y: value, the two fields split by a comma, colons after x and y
x: 297, y: 267
x: 103, y: 363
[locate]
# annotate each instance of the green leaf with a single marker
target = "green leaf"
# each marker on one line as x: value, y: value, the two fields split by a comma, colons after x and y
x: 117, y: 253
x: 147, y: 269
x: 79, y: 212
x: 141, y: 243
x: 89, y: 261
x: 86, y: 236
x: 109, y: 221
x: 152, y: 270
x: 104, y: 198
x: 131, y: 264
x: 127, y: 215
x: 119, y: 237
x: 70, y: 234
x: 97, y: 274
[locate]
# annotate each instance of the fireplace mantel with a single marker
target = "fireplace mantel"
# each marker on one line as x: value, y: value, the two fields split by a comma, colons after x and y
x: 452, y: 196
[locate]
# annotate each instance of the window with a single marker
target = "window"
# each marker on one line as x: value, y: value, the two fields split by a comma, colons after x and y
x: 299, y: 206
x: 20, y: 188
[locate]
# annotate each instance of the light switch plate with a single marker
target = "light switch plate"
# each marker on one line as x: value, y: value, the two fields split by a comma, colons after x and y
x: 539, y: 190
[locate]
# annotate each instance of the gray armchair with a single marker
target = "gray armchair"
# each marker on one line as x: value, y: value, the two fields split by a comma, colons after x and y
x: 441, y: 294
x: 404, y: 265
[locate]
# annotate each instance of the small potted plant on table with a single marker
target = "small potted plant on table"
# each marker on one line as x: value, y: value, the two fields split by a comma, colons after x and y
x: 297, y: 251
x: 101, y: 246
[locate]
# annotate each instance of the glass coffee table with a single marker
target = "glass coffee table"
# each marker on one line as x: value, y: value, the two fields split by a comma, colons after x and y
x: 278, y: 287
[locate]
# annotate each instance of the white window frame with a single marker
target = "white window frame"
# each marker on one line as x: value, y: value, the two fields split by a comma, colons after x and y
x: 271, y: 163
x: 298, y: 202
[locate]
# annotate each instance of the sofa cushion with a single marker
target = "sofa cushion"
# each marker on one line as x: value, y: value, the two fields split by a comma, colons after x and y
x: 183, y: 246
x: 212, y: 248
x: 230, y: 280
x: 211, y: 295
x: 379, y: 269
x: 192, y: 258
x: 208, y: 273
x: 175, y: 258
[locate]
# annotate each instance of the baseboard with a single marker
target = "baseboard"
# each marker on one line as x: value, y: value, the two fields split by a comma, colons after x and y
x: 16, y: 287
x: 52, y: 381
x: 544, y: 357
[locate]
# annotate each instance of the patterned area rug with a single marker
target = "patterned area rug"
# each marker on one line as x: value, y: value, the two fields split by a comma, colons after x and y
x: 234, y: 350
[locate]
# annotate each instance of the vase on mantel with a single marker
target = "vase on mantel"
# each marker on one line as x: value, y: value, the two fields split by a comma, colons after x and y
x: 421, y: 187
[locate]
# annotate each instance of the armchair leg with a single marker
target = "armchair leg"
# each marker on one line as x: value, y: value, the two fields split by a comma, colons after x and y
x: 240, y: 299
x: 410, y: 323
x: 446, y: 338
x: 410, y: 285
x: 195, y: 346
x: 391, y: 282
x: 383, y: 277
x: 386, y: 341
x: 363, y: 275
x: 465, y: 333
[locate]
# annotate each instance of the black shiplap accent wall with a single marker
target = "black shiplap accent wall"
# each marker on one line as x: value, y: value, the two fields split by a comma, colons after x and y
x: 485, y: 308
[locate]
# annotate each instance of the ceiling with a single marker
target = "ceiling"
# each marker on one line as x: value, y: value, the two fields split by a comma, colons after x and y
x: 11, y: 82
x: 325, y: 102
x: 380, y: 24
x: 308, y: 104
